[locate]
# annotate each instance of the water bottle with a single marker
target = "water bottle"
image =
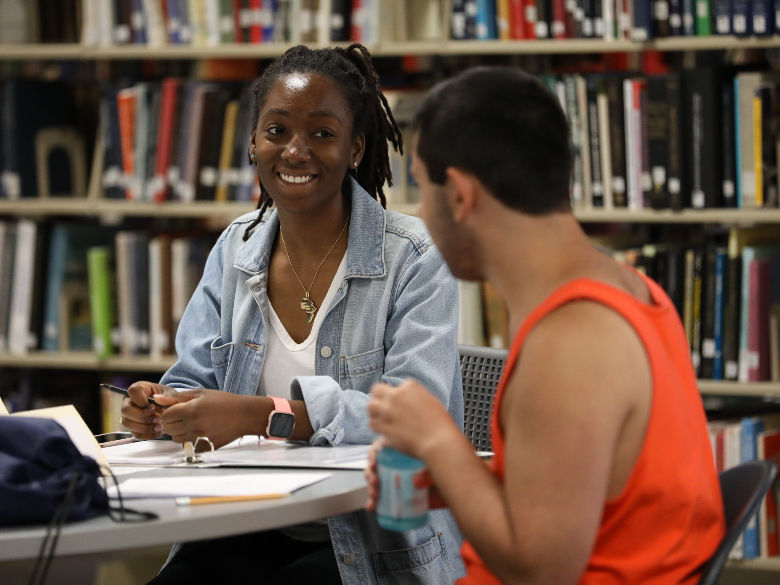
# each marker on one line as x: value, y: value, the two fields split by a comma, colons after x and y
x: 401, y: 506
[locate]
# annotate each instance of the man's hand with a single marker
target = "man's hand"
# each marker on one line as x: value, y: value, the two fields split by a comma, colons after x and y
x: 422, y: 479
x: 410, y: 418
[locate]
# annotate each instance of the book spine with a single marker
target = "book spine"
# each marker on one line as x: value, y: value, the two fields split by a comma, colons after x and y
x: 20, y: 316
x: 617, y: 140
x: 688, y: 17
x: 603, y: 108
x: 719, y: 309
x: 741, y: 18
x: 728, y: 145
x: 58, y: 246
x: 707, y: 370
x: 751, y: 427
x: 762, y: 13
x: 758, y: 320
x: 226, y: 151
x: 658, y: 140
x: 722, y: 17
x: 126, y: 104
x: 101, y: 299
x: 661, y: 25
x: 517, y: 19
x: 164, y: 139
x: 703, y: 18
x: 757, y: 146
x: 596, y: 182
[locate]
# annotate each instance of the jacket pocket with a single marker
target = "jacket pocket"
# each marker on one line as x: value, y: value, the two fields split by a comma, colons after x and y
x: 220, y: 358
x: 424, y: 564
x: 361, y: 371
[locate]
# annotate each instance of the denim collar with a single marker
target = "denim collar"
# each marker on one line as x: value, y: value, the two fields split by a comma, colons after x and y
x: 365, y: 251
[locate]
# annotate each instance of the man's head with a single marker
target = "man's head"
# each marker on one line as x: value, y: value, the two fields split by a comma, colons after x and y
x: 504, y: 127
x: 491, y: 140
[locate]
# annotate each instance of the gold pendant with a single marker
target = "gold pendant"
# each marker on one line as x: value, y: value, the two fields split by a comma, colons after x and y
x: 309, y: 307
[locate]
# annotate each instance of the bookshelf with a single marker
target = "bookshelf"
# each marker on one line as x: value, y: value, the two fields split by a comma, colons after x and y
x: 59, y: 52
x: 431, y: 51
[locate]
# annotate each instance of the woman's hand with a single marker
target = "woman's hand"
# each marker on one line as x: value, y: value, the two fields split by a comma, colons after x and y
x: 220, y: 416
x: 139, y: 416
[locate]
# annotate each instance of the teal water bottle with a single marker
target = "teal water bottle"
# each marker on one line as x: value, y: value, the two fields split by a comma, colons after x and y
x: 401, y: 506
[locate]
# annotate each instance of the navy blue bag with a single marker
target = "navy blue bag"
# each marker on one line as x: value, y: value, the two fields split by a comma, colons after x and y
x: 43, y: 475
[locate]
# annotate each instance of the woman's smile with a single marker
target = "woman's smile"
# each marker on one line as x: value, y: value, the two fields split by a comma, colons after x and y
x: 296, y: 179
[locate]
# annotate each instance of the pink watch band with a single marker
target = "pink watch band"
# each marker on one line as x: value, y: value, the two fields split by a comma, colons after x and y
x: 281, y: 404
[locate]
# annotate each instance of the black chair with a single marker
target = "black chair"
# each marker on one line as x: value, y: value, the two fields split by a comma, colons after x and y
x: 743, y: 488
x: 480, y: 369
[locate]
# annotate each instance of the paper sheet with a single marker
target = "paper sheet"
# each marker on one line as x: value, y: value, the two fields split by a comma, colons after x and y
x: 248, y: 484
x: 249, y: 451
x: 74, y: 425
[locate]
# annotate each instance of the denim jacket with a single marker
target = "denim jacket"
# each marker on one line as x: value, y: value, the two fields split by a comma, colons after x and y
x: 394, y: 317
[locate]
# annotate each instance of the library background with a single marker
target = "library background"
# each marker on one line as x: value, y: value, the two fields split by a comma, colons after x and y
x: 123, y: 138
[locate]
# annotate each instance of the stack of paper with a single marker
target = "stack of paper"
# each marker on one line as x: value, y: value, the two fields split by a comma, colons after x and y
x: 248, y: 451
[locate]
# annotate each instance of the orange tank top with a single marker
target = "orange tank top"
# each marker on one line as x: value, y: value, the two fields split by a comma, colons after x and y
x: 668, y: 520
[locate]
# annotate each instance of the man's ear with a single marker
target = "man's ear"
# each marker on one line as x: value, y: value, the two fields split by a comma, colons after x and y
x: 463, y: 190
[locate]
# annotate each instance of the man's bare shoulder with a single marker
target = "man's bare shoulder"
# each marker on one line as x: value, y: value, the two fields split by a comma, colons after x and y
x: 587, y: 348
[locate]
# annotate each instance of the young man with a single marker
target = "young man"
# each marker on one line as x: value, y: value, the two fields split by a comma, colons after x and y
x: 603, y: 471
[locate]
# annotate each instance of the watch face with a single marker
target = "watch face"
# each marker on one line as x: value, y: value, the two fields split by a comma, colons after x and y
x: 281, y: 425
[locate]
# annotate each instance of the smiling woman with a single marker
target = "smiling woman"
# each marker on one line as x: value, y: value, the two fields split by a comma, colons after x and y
x: 305, y: 304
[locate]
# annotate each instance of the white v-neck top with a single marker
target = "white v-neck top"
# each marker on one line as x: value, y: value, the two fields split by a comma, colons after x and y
x: 284, y: 358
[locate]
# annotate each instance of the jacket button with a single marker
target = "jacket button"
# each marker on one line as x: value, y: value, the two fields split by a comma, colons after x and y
x: 326, y: 351
x: 349, y: 559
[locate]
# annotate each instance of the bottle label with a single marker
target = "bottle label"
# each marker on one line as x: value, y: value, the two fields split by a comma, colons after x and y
x: 398, y: 497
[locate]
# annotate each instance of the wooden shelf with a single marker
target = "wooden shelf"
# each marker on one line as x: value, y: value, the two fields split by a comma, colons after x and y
x: 768, y: 564
x: 119, y: 208
x: 86, y: 361
x: 108, y: 207
x: 60, y: 52
x: 698, y: 216
x: 730, y: 388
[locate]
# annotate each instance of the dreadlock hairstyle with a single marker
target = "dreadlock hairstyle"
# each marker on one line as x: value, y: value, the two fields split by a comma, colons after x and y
x: 352, y: 70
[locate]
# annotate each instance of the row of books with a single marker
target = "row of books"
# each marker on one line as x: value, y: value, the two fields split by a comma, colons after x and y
x: 177, y: 140
x: 701, y: 138
x: 76, y: 287
x: 698, y: 138
x: 638, y: 20
x: 726, y: 290
x: 735, y: 441
x: 728, y: 297
x: 218, y: 22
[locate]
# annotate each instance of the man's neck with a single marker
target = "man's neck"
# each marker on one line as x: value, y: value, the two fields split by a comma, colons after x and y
x: 527, y: 258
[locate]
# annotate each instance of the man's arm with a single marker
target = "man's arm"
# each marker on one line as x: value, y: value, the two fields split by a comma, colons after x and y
x: 568, y: 410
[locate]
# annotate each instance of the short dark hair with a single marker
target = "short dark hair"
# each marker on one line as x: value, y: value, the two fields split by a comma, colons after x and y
x: 505, y: 127
x: 351, y: 68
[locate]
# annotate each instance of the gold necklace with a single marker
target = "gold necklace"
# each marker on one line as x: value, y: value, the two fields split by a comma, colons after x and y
x: 307, y: 305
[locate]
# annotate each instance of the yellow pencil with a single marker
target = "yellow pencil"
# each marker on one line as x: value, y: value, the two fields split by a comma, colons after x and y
x: 223, y: 499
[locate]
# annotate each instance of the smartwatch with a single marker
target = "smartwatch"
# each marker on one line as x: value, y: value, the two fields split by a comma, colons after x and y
x: 281, y: 420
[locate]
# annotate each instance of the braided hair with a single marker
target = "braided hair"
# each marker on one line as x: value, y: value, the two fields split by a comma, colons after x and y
x: 352, y: 70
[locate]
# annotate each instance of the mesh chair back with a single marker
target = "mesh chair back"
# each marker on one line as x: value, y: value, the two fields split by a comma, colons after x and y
x: 480, y: 369
x: 743, y: 488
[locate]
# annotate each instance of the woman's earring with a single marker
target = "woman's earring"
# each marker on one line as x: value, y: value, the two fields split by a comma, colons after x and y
x: 251, y: 157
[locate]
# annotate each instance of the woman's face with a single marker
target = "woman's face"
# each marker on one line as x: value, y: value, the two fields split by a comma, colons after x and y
x: 303, y: 142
